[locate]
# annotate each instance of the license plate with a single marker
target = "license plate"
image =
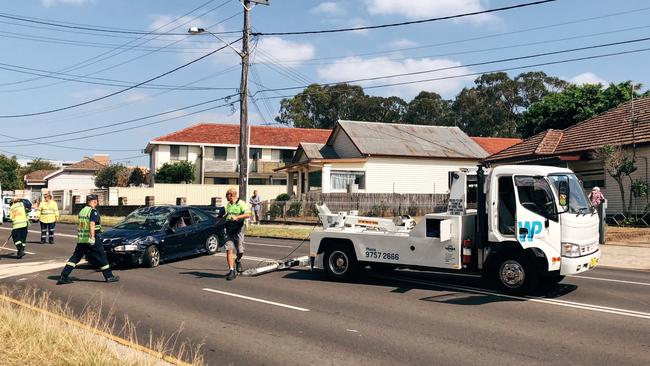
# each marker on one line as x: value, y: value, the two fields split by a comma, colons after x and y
x: 593, y: 263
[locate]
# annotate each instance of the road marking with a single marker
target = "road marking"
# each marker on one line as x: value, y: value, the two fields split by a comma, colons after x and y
x: 23, y: 268
x: 249, y: 258
x: 268, y: 245
x: 570, y: 304
x: 39, y: 233
x: 255, y: 299
x: 15, y: 250
x: 612, y: 280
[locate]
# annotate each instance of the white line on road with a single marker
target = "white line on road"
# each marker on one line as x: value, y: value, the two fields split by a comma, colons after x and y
x: 576, y: 305
x: 23, y: 268
x: 15, y: 250
x: 612, y: 280
x: 268, y: 245
x: 39, y: 233
x: 255, y: 299
x: 249, y: 258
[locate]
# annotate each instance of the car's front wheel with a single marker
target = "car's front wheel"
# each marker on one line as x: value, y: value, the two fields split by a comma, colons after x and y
x: 151, y: 257
x: 211, y: 244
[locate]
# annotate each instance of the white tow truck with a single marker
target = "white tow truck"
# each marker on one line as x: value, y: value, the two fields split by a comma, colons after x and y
x: 532, y: 225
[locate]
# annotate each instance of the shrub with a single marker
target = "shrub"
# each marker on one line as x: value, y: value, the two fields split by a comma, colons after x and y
x: 294, y: 209
x: 276, y: 210
x: 283, y: 197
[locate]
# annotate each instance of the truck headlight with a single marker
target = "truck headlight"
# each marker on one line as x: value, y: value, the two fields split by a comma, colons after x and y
x: 126, y: 248
x: 570, y: 250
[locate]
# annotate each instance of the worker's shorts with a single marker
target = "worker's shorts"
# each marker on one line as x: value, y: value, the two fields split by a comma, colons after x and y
x: 235, y: 242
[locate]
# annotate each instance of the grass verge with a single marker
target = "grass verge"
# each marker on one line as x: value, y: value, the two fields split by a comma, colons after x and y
x: 628, y: 234
x: 280, y: 231
x: 35, y: 330
x: 106, y: 220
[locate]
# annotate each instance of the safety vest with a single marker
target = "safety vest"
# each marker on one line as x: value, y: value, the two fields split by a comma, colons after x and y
x: 18, y: 215
x: 83, y: 232
x: 48, y: 212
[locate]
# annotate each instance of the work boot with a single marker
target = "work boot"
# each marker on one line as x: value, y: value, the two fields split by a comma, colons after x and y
x: 113, y: 279
x: 42, y: 241
x: 239, y: 267
x: 64, y: 280
x: 21, y: 253
x: 231, y: 275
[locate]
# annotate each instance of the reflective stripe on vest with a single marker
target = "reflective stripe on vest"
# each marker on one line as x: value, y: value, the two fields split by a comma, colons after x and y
x: 83, y: 232
x: 18, y: 215
x: 47, y: 212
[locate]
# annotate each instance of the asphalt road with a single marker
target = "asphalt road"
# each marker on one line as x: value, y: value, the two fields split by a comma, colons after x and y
x: 405, y: 317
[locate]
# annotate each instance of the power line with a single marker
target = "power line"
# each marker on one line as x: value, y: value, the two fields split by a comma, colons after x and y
x: 479, y: 63
x: 96, y: 28
x: 467, y: 74
x: 117, y: 92
x: 389, y: 25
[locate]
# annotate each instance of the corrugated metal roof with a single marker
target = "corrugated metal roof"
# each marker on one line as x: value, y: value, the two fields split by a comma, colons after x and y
x: 318, y: 151
x: 375, y: 138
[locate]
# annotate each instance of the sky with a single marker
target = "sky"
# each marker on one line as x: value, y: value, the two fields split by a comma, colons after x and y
x: 123, y: 59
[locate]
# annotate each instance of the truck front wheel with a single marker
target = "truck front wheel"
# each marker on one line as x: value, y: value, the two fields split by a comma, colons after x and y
x: 515, y: 274
x: 340, y: 263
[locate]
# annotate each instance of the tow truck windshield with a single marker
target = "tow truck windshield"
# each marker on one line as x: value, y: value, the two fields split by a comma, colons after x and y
x: 578, y: 201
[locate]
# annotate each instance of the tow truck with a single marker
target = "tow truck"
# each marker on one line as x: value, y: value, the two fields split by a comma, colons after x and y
x: 532, y: 225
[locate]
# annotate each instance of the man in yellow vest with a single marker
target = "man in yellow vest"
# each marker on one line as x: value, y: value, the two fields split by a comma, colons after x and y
x: 18, y: 225
x: 48, y: 215
x: 88, y: 244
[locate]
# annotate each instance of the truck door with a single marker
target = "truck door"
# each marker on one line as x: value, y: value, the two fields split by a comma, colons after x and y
x: 537, y: 218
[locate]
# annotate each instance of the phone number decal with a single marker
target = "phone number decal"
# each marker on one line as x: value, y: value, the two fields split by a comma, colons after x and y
x: 375, y: 254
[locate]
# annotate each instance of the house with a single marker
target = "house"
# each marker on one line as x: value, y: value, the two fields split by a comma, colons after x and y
x: 493, y: 145
x: 627, y: 125
x: 78, y: 176
x: 35, y: 181
x: 377, y: 157
x: 213, y: 149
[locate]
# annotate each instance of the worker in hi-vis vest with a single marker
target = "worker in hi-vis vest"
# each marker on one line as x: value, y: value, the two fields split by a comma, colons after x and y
x: 18, y: 225
x: 88, y: 244
x: 48, y: 215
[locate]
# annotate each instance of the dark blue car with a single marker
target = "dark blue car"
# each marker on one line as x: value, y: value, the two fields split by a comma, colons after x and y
x: 153, y: 234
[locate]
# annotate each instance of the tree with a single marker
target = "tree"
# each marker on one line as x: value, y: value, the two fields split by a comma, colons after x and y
x: 177, y: 172
x: 10, y: 177
x: 618, y: 164
x: 137, y: 177
x: 428, y: 108
x: 572, y: 105
x: 113, y: 175
x: 37, y: 164
x: 535, y: 85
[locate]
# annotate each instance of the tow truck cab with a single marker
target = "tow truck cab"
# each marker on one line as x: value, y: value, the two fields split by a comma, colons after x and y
x: 531, y: 224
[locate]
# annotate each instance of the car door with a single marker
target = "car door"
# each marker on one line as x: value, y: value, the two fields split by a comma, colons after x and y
x: 538, y: 224
x: 177, y: 238
x: 203, y: 227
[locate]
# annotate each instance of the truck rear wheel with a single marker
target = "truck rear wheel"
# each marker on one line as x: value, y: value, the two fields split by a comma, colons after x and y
x: 515, y: 274
x: 340, y: 262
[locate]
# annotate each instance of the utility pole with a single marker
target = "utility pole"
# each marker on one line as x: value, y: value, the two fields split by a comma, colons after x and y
x: 243, y: 107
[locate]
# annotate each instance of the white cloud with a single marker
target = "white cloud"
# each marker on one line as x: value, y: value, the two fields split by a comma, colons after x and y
x: 587, y: 78
x: 136, y: 96
x: 329, y: 8
x: 280, y: 49
x: 352, y: 68
x: 49, y: 3
x: 418, y: 9
x: 402, y: 43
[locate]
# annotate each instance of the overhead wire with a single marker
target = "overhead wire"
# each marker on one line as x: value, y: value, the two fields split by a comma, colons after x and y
x: 399, y: 24
x: 116, y: 92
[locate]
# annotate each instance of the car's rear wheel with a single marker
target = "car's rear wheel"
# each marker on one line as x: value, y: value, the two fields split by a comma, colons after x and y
x: 211, y: 244
x: 151, y: 257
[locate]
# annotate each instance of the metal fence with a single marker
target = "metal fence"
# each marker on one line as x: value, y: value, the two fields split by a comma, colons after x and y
x: 368, y: 204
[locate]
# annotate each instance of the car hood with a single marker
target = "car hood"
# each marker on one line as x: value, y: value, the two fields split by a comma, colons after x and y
x: 118, y: 236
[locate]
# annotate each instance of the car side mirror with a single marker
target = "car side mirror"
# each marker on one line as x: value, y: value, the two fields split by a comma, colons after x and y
x: 170, y: 230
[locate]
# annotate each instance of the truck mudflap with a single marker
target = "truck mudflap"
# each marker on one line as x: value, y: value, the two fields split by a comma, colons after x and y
x: 585, y: 263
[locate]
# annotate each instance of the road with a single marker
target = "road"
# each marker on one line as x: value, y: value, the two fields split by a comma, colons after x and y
x: 405, y: 317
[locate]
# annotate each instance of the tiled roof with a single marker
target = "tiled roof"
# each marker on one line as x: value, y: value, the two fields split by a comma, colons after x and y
x: 495, y: 144
x: 212, y: 133
x: 614, y: 127
x: 86, y: 164
x: 38, y: 175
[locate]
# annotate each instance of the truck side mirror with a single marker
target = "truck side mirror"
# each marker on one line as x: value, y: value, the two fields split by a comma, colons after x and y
x: 564, y: 193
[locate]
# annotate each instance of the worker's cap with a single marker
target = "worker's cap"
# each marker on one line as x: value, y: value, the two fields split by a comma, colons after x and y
x: 91, y: 197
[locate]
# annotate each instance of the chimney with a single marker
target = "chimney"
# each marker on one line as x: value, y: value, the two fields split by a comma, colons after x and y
x: 102, y: 158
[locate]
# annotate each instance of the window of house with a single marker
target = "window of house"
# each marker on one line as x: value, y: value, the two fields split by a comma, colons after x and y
x: 255, y: 153
x: 225, y: 181
x: 178, y: 153
x: 220, y: 153
x: 258, y: 181
x: 340, y: 180
x: 276, y: 155
x: 279, y: 182
x: 286, y: 156
x: 315, y: 179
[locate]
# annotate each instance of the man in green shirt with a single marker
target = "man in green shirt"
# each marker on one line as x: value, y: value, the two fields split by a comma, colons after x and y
x: 237, y: 211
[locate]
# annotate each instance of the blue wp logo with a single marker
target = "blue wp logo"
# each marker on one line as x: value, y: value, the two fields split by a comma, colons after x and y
x: 533, y: 228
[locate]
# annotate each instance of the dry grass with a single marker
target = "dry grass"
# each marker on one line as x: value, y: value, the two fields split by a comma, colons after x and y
x: 48, y: 333
x: 280, y: 231
x: 628, y: 235
x: 106, y: 220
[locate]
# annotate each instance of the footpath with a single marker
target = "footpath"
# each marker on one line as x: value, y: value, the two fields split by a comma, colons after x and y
x: 626, y: 255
